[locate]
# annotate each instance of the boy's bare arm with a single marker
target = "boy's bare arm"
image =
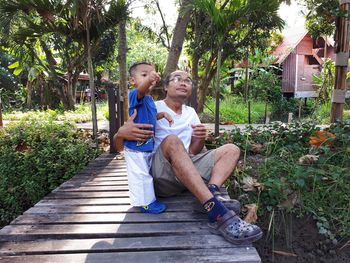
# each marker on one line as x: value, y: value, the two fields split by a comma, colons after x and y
x: 144, y: 87
x: 161, y: 115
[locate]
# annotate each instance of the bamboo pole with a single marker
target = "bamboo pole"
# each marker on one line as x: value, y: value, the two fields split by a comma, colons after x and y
x: 342, y: 40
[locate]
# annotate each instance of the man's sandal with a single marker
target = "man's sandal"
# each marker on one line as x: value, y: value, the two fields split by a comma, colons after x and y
x: 235, y: 230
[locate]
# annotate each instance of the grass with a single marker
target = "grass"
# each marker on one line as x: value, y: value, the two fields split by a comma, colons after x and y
x: 323, y: 111
x: 82, y: 113
x: 234, y: 109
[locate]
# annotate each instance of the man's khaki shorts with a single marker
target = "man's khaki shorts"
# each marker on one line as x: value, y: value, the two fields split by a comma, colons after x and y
x: 166, y: 183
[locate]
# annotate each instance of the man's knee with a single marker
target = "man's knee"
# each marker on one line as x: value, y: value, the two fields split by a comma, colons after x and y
x: 171, y: 143
x: 229, y: 150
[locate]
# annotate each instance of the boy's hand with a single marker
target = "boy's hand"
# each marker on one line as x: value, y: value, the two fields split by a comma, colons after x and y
x: 167, y: 116
x: 154, y: 77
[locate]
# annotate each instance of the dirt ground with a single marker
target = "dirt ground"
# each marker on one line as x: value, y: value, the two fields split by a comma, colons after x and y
x: 296, y: 239
x: 300, y: 243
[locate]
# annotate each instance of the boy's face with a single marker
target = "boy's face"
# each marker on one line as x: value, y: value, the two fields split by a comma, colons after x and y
x: 141, y: 74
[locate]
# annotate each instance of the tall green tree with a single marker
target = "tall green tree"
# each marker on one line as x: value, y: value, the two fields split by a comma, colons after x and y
x: 62, y: 32
x: 244, y: 23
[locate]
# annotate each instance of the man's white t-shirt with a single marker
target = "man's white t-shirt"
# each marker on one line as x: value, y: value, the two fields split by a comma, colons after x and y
x: 181, y: 127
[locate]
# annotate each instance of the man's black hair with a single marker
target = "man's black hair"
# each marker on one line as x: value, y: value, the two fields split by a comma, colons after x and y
x: 135, y: 65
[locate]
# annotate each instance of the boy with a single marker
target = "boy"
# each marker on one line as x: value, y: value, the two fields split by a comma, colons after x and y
x: 138, y: 155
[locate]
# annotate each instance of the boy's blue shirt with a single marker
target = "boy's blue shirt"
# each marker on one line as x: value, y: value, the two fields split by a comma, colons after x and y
x: 146, y: 113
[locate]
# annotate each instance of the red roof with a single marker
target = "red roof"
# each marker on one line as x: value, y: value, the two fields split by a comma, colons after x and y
x: 290, y: 41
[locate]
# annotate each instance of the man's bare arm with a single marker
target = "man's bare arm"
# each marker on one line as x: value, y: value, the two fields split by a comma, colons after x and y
x: 132, y: 131
x: 198, y: 138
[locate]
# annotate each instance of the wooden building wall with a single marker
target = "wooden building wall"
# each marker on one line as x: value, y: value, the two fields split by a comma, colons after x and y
x: 288, y: 74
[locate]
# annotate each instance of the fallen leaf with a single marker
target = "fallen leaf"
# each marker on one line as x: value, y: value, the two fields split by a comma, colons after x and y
x: 321, y: 137
x: 308, y: 159
x: 251, y: 216
x: 23, y: 147
x: 256, y: 148
x: 290, y: 201
x: 283, y: 253
x: 227, y: 123
x: 250, y: 184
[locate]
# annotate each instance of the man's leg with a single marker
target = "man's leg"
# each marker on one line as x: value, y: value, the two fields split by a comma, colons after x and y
x: 226, y: 158
x: 174, y: 151
x: 221, y: 221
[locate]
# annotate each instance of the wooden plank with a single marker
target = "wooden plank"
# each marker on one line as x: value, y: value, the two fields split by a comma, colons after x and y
x: 101, y: 174
x: 104, y: 218
x: 116, y: 208
x: 72, y: 184
x: 59, y: 231
x: 130, y: 229
x: 95, y: 188
x: 113, y: 244
x: 241, y: 254
x: 65, y: 194
x: 97, y: 179
x: 105, y: 201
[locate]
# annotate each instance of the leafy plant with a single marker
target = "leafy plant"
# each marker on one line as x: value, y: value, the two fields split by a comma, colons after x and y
x: 35, y: 157
x: 294, y: 175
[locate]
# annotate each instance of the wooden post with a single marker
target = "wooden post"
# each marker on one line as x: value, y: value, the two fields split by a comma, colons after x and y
x: 290, y: 117
x: 299, y: 112
x: 268, y: 118
x: 115, y: 113
x: 342, y: 40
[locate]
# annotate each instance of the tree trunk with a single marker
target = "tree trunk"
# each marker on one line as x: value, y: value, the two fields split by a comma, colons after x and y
x: 68, y: 101
x: 342, y: 52
x: 217, y: 94
x: 122, y: 49
x: 29, y: 87
x: 204, y: 83
x: 1, y: 124
x: 178, y: 37
x: 91, y: 81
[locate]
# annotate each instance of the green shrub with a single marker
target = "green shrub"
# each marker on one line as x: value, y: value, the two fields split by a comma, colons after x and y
x: 35, y: 157
x: 318, y: 187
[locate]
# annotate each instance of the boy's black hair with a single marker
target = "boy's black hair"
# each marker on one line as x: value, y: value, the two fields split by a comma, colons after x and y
x: 135, y: 65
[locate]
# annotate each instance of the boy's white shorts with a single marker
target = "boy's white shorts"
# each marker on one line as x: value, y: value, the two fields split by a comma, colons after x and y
x: 141, y: 187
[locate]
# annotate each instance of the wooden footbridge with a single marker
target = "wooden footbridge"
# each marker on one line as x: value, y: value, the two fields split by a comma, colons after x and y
x: 89, y: 219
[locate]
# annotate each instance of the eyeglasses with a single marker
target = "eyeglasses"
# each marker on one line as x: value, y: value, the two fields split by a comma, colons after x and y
x: 177, y: 79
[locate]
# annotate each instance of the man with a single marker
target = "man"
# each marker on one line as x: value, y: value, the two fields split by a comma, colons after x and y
x: 178, y: 163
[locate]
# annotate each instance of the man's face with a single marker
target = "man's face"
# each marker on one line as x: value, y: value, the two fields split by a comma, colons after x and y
x: 180, y: 85
x: 141, y: 74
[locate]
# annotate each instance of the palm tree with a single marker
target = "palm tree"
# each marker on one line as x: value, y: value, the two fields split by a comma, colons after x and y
x: 63, y: 29
x: 239, y: 21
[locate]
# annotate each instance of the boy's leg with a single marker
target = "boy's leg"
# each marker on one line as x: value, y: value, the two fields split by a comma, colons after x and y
x: 140, y: 181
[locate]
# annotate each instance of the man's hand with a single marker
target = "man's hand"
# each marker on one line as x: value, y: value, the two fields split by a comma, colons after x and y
x: 135, y: 131
x: 199, y: 131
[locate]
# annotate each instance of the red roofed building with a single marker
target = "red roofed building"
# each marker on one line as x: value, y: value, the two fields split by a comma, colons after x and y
x: 301, y: 56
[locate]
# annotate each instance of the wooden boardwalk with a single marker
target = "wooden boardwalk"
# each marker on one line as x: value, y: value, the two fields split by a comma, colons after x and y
x: 89, y: 219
